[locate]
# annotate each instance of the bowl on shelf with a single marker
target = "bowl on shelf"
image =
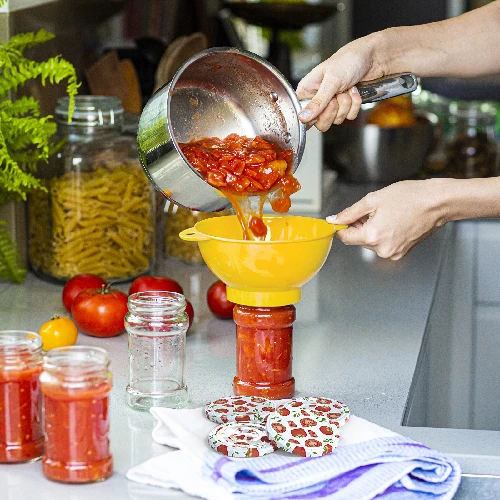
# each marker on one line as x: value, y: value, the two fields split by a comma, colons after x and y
x: 363, y: 152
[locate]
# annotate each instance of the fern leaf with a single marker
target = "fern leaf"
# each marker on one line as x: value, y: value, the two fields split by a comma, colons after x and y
x: 20, y: 133
x: 22, y: 41
x: 14, y: 183
x: 20, y: 107
x: 9, y: 57
x: 11, y: 267
x: 54, y: 70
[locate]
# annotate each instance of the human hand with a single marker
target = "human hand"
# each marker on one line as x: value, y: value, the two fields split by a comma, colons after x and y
x: 394, y: 219
x: 331, y: 84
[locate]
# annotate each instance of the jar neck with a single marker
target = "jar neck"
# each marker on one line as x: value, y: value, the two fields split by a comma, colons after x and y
x: 96, y: 132
x: 77, y: 364
x: 154, y: 304
x: 92, y: 115
x: 19, y: 348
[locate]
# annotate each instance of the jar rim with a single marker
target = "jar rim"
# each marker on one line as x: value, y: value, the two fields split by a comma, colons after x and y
x: 91, y: 110
x: 76, y: 361
x: 19, y: 341
x: 157, y: 300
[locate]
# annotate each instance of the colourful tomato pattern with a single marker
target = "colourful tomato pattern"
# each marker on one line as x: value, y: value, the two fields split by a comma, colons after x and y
x: 240, y: 440
x: 242, y: 409
x: 297, y: 428
x: 252, y: 426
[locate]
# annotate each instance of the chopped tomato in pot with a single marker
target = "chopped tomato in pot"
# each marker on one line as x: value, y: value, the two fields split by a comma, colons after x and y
x: 238, y: 165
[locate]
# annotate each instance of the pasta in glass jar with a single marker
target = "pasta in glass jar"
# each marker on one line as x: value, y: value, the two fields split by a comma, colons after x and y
x: 97, y: 215
x: 178, y: 219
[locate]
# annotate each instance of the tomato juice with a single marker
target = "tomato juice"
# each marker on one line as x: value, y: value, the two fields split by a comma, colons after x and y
x: 77, y: 429
x: 243, y: 168
x: 21, y: 431
x: 75, y: 384
x: 264, y: 351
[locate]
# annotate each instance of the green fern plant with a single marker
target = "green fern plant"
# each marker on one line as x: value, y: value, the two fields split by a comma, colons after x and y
x: 25, y: 136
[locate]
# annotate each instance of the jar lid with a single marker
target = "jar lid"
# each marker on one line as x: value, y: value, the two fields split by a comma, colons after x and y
x: 302, y: 431
x: 240, y: 409
x: 91, y: 110
x: 241, y: 440
x: 337, y: 412
x: 473, y: 109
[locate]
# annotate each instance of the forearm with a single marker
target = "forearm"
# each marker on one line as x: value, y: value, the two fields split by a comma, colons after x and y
x: 464, y: 46
x: 459, y: 199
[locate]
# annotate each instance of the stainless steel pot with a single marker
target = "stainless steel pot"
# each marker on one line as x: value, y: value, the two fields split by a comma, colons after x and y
x: 221, y: 91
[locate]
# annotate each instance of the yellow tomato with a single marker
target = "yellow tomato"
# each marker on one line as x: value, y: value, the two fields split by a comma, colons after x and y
x: 58, y: 332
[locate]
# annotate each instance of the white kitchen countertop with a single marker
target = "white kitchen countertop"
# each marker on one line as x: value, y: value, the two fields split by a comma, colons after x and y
x: 357, y: 338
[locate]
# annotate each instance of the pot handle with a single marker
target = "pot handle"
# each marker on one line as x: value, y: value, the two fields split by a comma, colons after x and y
x: 387, y: 87
x: 382, y: 88
x: 191, y: 234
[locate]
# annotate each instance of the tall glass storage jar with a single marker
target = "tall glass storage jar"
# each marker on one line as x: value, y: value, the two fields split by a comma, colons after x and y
x: 97, y: 215
x: 473, y: 146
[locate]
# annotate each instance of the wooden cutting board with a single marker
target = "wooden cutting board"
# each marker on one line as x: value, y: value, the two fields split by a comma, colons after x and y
x: 177, y: 53
x: 105, y: 77
x: 133, y: 99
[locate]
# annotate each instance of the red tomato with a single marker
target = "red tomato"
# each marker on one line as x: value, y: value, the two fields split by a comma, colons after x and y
x: 100, y: 311
x: 77, y: 284
x: 154, y: 284
x: 217, y: 301
x: 189, y: 312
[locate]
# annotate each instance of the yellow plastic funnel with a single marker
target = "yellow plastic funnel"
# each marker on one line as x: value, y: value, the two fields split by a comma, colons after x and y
x: 266, y: 273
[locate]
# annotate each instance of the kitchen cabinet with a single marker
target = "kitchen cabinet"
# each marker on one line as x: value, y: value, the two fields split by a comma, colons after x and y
x: 458, y: 373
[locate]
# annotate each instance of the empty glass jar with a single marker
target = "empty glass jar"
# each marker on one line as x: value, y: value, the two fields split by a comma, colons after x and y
x: 156, y: 323
x: 97, y: 215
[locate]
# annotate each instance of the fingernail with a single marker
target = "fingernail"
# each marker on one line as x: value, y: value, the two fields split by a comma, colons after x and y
x: 354, y: 90
x: 331, y: 218
x: 305, y: 115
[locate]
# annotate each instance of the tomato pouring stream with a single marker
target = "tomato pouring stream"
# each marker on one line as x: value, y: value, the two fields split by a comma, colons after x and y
x: 245, y: 170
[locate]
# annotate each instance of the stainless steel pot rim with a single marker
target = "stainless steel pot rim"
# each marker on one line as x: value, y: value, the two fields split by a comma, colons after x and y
x: 284, y: 82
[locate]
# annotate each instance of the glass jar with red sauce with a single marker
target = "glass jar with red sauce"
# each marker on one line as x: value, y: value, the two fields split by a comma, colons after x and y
x: 21, y: 430
x: 76, y: 383
x: 264, y: 351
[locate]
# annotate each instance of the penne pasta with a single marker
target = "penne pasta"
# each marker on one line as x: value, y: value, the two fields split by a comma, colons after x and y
x: 98, y: 222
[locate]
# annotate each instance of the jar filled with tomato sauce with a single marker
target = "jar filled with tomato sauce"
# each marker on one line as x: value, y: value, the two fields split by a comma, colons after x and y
x: 264, y: 351
x: 76, y: 383
x: 21, y: 430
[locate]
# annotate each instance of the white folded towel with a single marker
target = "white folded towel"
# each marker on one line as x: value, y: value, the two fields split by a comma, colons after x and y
x: 369, y: 462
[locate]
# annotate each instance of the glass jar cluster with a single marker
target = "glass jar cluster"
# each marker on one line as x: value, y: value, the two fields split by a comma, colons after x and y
x: 72, y: 386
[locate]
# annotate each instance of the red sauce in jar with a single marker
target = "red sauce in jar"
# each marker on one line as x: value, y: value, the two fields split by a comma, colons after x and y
x: 21, y: 431
x: 264, y: 351
x: 77, y: 433
x: 240, y: 167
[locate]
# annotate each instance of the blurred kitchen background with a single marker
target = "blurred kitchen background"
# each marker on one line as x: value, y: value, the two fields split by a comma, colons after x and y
x: 453, y: 128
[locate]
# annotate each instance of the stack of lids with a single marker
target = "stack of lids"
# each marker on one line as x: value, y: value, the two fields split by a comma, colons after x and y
x: 251, y: 426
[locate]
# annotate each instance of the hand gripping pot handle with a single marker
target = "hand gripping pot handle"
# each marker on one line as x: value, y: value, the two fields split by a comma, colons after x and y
x: 217, y: 92
x: 380, y: 89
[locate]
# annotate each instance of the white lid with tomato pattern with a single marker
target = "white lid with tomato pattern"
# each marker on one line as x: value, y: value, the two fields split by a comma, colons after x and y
x: 337, y: 412
x: 300, y: 430
x: 242, y: 409
x: 241, y: 440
